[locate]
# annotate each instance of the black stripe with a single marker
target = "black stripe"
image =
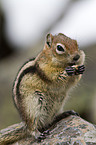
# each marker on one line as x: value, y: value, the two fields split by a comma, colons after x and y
x: 42, y: 74
x: 32, y: 69
x: 19, y: 80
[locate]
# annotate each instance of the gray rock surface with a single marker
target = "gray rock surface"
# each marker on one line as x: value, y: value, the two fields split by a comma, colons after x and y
x: 72, y: 130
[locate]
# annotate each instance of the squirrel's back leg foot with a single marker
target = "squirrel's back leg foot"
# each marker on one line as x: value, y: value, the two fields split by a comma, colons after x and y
x: 58, y: 118
x: 43, y: 136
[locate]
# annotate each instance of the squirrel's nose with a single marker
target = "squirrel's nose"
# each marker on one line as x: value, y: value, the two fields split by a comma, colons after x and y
x: 76, y: 57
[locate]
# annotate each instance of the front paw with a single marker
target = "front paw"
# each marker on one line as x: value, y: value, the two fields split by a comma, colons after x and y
x: 80, y: 69
x: 72, y: 70
x: 62, y: 76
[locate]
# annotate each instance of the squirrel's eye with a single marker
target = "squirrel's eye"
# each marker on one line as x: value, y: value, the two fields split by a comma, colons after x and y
x: 60, y: 48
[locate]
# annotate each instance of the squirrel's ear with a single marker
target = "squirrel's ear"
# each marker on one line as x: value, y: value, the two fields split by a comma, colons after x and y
x: 49, y: 39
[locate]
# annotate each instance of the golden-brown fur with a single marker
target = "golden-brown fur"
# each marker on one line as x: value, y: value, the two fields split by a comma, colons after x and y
x: 42, y: 84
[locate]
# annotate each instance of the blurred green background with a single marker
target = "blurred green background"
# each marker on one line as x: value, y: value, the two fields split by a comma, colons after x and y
x: 23, y: 26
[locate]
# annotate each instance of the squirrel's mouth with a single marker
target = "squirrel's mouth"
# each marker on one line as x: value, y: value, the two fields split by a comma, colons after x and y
x: 75, y: 63
x: 72, y: 63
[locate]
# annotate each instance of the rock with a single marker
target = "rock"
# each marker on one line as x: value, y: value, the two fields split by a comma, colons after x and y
x: 72, y: 130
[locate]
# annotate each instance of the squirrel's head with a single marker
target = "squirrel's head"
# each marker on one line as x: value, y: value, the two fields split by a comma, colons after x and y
x: 63, y: 50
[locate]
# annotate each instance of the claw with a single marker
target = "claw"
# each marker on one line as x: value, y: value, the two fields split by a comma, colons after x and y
x: 43, y: 135
x: 70, y: 70
x: 80, y: 70
x: 75, y: 71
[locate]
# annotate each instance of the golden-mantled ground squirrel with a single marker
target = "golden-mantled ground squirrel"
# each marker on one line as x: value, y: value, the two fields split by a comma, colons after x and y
x: 42, y: 84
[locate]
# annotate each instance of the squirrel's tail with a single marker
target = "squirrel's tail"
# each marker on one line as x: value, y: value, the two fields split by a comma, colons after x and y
x: 13, y: 133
